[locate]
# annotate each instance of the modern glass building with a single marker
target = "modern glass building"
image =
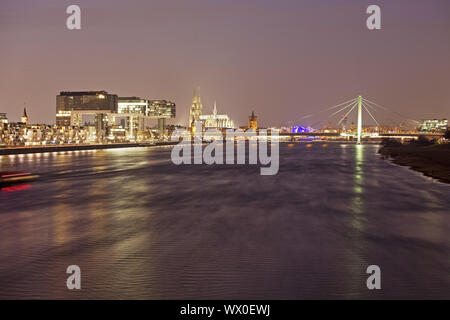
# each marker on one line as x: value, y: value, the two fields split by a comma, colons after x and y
x: 89, y: 101
x: 133, y: 105
x: 161, y: 109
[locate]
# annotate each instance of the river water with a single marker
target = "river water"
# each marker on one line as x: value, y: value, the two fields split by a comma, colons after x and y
x: 140, y: 227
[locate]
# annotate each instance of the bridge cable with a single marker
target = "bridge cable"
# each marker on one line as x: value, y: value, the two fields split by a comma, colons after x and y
x: 327, y: 109
x: 334, y: 113
x: 376, y: 104
x: 403, y: 117
x: 334, y: 107
x: 345, y: 116
x: 371, y: 115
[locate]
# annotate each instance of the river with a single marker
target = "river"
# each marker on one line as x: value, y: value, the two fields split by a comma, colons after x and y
x: 140, y: 227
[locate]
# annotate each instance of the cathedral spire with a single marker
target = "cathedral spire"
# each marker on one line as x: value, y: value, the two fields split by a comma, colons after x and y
x: 24, y: 118
x: 215, y: 108
x: 196, y: 107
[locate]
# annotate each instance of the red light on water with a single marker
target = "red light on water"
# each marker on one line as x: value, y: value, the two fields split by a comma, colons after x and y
x: 16, y: 188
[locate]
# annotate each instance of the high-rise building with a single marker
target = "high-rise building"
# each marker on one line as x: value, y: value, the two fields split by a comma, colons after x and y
x: 196, y: 108
x: 161, y: 109
x: 253, y: 121
x: 138, y: 109
x: 156, y: 109
x: 70, y: 105
x: 133, y: 105
x: 112, y: 114
x: 135, y: 110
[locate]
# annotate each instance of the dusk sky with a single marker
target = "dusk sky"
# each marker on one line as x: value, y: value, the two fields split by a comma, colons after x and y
x: 281, y: 58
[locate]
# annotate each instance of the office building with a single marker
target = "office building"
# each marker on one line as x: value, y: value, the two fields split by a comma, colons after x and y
x: 71, y: 105
x: 433, y: 125
x: 133, y: 105
x: 162, y: 110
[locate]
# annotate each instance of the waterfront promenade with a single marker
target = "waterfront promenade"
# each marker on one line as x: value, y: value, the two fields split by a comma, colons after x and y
x: 75, y: 147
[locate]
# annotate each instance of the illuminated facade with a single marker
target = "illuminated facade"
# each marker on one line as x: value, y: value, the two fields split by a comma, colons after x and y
x: 112, y: 115
x: 133, y: 105
x: 70, y: 105
x: 161, y: 109
x: 156, y: 109
x: 214, y: 120
x: 24, y: 117
x: 19, y: 134
x: 134, y: 110
x: 196, y: 108
x: 253, y: 121
x: 3, y: 120
x: 139, y: 110
x: 434, y: 125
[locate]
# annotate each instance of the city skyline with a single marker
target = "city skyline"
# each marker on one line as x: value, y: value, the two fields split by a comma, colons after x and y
x: 398, y: 119
x: 309, y: 55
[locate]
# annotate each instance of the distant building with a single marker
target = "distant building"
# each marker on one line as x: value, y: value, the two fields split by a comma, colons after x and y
x: 3, y: 119
x: 24, y: 117
x: 253, y: 121
x: 134, y: 110
x: 132, y: 105
x: 162, y: 110
x: 433, y: 125
x: 196, y: 108
x: 70, y: 105
x: 214, y: 120
x: 151, y: 108
x: 143, y: 108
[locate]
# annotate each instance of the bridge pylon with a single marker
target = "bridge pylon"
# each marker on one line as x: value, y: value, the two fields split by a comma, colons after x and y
x: 359, y: 119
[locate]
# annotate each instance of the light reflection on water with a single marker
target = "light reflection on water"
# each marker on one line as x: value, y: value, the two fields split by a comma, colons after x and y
x: 141, y: 227
x: 357, y: 203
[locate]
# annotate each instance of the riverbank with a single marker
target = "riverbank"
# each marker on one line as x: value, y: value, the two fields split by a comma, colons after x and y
x: 433, y: 161
x: 77, y: 147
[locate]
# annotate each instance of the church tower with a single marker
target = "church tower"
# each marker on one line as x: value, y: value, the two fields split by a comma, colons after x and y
x: 24, y: 118
x: 196, y: 108
x: 253, y: 121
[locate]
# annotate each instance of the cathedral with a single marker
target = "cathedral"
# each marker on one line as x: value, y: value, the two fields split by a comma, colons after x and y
x: 196, y: 108
x: 214, y: 120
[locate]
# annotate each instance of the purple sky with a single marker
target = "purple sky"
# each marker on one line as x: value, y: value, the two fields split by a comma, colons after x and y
x: 281, y: 58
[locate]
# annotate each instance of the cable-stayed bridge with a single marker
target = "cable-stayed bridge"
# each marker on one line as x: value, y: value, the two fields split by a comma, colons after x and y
x: 364, y: 108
